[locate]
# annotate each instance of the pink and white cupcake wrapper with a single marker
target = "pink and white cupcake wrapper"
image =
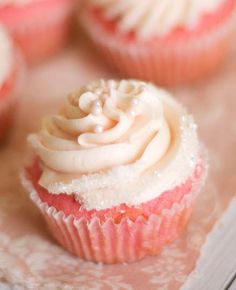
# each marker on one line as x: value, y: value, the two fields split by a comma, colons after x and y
x: 126, y: 241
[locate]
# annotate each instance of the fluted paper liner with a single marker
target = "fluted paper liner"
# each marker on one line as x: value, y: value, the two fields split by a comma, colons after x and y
x: 126, y: 241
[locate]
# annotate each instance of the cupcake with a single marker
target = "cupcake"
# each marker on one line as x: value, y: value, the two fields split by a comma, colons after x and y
x: 115, y: 173
x: 40, y: 27
x: 9, y: 75
x: 166, y: 42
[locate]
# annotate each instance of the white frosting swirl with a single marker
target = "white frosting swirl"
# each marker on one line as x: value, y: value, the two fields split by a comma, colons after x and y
x: 155, y: 17
x: 106, y: 137
x: 6, y: 56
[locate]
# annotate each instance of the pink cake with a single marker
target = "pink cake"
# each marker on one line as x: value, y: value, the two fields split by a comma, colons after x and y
x: 40, y: 27
x: 167, y: 42
x: 117, y: 171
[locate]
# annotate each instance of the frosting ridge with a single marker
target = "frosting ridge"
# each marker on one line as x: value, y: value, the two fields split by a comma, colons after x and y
x: 152, y: 17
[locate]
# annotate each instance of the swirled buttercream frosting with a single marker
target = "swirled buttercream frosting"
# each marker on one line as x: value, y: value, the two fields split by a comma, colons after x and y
x: 6, y: 56
x: 155, y: 17
x: 116, y: 142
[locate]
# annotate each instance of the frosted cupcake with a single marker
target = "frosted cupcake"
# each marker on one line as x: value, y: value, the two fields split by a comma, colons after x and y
x: 40, y: 27
x: 165, y: 42
x: 9, y: 74
x: 116, y: 171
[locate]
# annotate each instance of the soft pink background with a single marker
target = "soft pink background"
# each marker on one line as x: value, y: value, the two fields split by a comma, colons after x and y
x: 30, y: 259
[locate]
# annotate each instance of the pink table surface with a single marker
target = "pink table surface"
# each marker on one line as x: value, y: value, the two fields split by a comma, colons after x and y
x: 30, y: 258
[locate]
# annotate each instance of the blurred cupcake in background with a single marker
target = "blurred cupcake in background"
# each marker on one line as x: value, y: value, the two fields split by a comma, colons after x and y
x: 10, y: 74
x: 116, y: 171
x: 167, y: 42
x: 40, y: 27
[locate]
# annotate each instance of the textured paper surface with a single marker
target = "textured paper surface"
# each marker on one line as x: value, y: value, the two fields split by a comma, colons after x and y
x: 30, y: 259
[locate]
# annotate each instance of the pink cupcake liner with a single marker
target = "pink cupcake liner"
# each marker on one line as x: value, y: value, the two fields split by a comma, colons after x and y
x: 166, y: 63
x: 126, y: 241
x: 40, y: 28
x: 111, y: 243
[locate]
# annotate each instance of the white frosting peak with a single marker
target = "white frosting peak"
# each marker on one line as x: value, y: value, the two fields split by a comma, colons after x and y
x: 155, y: 17
x: 107, y: 136
x: 6, y: 56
